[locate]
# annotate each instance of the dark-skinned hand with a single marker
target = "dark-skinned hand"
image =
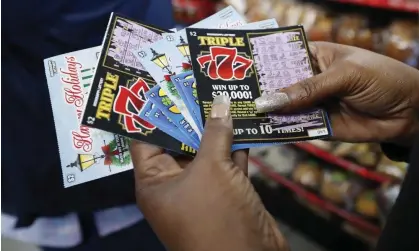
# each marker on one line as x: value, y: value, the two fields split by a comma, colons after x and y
x: 369, y: 97
x: 208, y: 203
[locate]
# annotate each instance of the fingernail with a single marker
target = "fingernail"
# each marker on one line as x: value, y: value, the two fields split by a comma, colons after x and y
x: 271, y: 102
x: 220, y: 107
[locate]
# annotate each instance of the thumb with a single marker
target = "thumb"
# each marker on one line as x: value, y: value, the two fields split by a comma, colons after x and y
x: 218, y: 133
x: 302, y: 95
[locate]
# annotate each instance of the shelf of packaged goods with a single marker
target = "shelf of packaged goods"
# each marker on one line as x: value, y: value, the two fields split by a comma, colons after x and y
x: 342, y: 163
x: 314, y: 199
x: 397, y: 5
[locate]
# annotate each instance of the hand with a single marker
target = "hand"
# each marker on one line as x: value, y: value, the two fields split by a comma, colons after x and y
x: 369, y: 97
x: 208, y: 203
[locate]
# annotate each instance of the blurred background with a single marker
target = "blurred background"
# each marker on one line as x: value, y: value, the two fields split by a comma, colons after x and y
x: 325, y: 195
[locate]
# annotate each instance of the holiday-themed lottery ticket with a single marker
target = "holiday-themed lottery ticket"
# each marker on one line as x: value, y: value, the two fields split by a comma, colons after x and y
x: 241, y: 64
x: 86, y: 154
x: 117, y: 95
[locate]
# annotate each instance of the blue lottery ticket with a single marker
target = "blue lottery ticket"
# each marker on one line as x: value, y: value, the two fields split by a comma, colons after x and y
x: 186, y: 86
x: 152, y: 114
x: 161, y: 67
x: 159, y: 98
x: 155, y: 116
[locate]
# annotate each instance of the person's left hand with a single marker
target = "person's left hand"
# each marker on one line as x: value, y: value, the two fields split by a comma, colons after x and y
x: 208, y: 203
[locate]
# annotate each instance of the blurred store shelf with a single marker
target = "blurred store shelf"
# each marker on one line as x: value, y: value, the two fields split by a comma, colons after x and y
x: 397, y: 5
x: 316, y: 200
x: 342, y: 163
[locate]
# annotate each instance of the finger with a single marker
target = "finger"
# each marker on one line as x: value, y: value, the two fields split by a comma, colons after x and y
x: 150, y: 160
x: 218, y: 133
x: 304, y: 94
x: 311, y: 91
x: 240, y: 158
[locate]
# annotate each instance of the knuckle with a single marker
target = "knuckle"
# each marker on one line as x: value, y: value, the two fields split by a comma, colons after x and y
x: 164, y: 160
x: 142, y: 169
x: 151, y: 167
x: 353, y: 74
x: 308, y: 88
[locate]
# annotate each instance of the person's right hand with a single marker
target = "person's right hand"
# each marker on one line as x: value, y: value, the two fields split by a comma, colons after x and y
x: 369, y: 97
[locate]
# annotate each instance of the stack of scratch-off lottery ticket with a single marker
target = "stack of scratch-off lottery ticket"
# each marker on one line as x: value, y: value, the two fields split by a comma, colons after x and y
x: 157, y: 86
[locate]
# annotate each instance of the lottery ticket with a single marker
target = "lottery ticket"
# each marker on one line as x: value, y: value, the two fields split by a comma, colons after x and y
x: 177, y: 43
x: 227, y: 18
x: 260, y: 25
x: 160, y: 99
x: 163, y: 59
x: 126, y: 38
x: 282, y: 62
x: 86, y: 154
x: 161, y: 68
x: 185, y: 84
x: 117, y: 94
x: 245, y: 64
x: 188, y: 85
x: 155, y: 116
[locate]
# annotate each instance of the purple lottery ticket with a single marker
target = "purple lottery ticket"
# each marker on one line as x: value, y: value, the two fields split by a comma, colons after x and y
x: 127, y: 37
x: 281, y: 61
